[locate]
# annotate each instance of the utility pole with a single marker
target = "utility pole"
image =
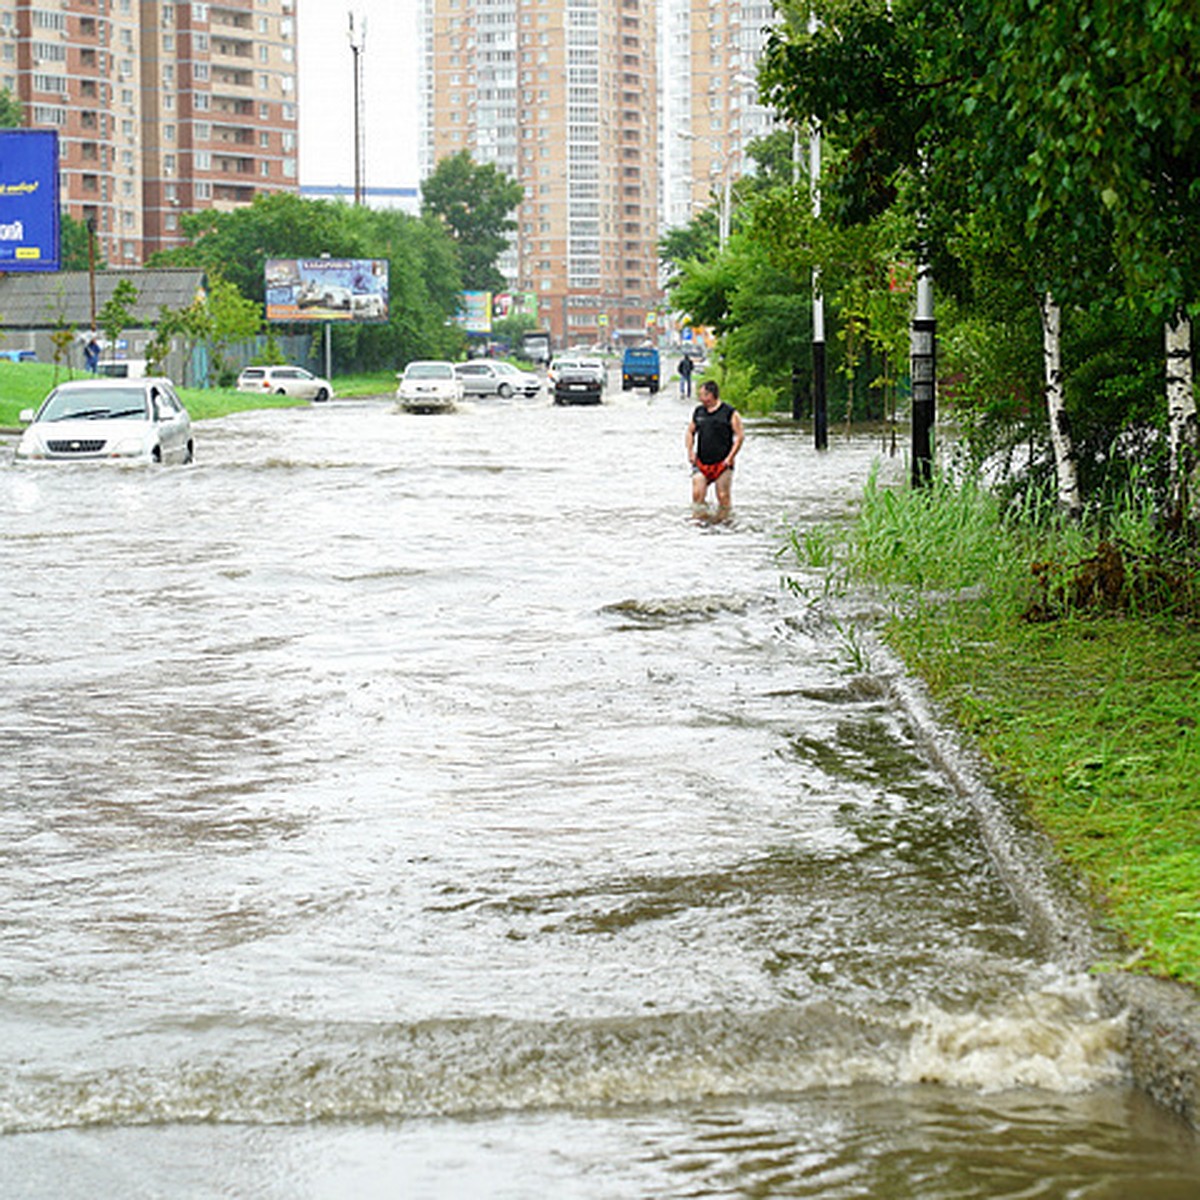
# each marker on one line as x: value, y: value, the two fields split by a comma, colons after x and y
x: 91, y: 232
x: 358, y: 45
x: 923, y: 367
x: 820, y: 397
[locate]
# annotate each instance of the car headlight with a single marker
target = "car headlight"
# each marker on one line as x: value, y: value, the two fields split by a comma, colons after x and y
x: 30, y: 446
x: 128, y: 447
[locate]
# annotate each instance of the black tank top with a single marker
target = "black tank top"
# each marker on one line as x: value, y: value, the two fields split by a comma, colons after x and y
x: 714, y: 432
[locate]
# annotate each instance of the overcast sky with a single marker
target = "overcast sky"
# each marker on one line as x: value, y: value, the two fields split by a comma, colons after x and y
x: 390, y: 116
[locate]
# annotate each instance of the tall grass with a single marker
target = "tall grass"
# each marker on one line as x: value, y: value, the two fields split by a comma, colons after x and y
x: 1084, y: 698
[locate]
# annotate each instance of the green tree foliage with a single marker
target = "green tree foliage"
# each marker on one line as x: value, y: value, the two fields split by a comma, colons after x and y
x: 423, y: 276
x: 73, y: 244
x: 10, y: 110
x: 234, y: 318
x: 475, y: 204
x: 1033, y: 148
x: 116, y: 313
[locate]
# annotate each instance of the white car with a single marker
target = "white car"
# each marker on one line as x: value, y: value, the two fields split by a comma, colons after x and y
x: 135, y: 420
x: 285, y: 381
x: 488, y: 377
x: 429, y: 385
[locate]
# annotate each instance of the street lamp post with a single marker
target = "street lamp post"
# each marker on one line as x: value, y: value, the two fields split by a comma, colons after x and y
x: 358, y: 44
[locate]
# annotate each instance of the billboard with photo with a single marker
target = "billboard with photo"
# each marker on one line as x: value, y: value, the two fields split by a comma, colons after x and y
x: 327, y: 289
x: 29, y: 200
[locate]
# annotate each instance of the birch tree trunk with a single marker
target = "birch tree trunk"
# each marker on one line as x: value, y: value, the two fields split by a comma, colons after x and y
x: 1056, y: 408
x: 1181, y: 418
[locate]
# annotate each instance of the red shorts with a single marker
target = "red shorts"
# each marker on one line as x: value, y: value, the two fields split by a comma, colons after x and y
x: 712, y: 471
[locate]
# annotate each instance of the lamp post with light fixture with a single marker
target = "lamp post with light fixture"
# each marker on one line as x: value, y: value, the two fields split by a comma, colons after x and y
x: 358, y: 45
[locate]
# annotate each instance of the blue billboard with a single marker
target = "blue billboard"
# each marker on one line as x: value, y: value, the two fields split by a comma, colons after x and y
x: 29, y: 200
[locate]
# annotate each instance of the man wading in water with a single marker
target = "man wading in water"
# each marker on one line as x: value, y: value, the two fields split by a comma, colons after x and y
x: 714, y: 437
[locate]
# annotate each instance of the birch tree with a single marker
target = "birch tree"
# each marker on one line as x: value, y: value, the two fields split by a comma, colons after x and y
x: 1183, y: 433
x: 1113, y: 89
x: 1065, y: 467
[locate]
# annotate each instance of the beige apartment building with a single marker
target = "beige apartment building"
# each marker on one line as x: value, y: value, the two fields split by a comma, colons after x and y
x: 621, y: 118
x: 561, y: 95
x: 161, y: 108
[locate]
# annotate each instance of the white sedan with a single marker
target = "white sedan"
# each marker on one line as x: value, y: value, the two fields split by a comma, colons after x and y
x: 136, y: 420
x: 429, y: 385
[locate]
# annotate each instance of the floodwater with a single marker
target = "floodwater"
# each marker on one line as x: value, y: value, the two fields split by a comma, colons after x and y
x: 420, y: 806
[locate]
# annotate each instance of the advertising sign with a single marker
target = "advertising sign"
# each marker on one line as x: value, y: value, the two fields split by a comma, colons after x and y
x: 29, y: 200
x: 475, y: 315
x: 327, y: 289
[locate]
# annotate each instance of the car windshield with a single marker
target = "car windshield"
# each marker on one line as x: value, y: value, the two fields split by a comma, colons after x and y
x: 94, y: 404
x: 508, y: 369
x: 429, y: 371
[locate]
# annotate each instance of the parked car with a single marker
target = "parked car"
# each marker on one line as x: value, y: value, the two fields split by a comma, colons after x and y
x: 578, y: 380
x: 285, y: 381
x: 429, y: 386
x: 132, y: 419
x: 18, y: 356
x: 487, y: 377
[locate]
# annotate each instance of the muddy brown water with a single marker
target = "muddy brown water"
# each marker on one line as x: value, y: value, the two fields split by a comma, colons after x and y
x: 439, y: 807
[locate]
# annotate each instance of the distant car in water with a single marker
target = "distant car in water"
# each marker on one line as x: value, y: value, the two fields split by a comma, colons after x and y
x: 488, y: 377
x: 285, y: 381
x: 135, y: 420
x: 579, y: 380
x: 429, y: 385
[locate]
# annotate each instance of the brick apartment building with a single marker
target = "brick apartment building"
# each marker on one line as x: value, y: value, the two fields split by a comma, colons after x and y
x: 161, y: 108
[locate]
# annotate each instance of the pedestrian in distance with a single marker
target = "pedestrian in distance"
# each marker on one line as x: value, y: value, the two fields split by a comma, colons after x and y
x: 714, y: 438
x: 686, y: 367
x: 91, y: 354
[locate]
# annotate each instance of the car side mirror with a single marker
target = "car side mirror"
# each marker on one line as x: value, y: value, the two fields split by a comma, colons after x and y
x: 25, y: 416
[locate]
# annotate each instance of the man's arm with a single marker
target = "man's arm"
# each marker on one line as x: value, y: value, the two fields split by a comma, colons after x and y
x: 739, y: 436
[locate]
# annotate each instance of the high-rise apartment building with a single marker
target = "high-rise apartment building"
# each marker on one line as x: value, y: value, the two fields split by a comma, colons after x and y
x: 161, y: 108
x: 561, y: 95
x: 708, y: 63
x: 621, y: 118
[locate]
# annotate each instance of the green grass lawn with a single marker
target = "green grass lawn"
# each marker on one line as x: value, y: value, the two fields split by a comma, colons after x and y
x: 1089, y: 709
x: 24, y: 385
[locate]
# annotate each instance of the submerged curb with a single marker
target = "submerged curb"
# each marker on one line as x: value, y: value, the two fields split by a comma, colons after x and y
x: 1162, y: 1017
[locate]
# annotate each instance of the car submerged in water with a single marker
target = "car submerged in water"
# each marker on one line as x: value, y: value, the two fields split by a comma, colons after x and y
x: 285, y: 381
x: 490, y: 377
x: 578, y: 380
x: 429, y: 386
x: 134, y: 420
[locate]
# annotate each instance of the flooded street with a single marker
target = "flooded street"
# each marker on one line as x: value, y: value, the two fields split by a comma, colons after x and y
x: 437, y: 807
